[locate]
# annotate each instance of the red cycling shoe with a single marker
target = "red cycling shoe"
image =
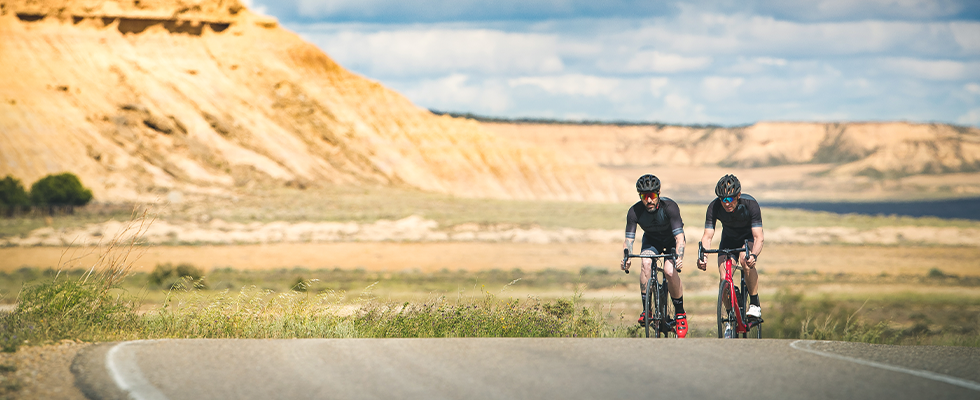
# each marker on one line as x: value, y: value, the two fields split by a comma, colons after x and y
x: 643, y: 316
x: 681, y: 325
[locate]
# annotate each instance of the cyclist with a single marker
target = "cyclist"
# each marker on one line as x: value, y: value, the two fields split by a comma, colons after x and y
x: 663, y: 230
x: 741, y: 217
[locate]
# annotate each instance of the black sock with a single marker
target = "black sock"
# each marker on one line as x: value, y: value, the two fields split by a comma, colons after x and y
x: 643, y: 297
x: 678, y: 305
x: 754, y: 300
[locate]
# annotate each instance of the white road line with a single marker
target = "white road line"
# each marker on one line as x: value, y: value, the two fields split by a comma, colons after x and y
x: 124, y: 370
x: 804, y: 345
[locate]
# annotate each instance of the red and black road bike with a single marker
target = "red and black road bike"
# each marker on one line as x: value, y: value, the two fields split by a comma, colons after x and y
x: 658, y: 309
x: 733, y: 300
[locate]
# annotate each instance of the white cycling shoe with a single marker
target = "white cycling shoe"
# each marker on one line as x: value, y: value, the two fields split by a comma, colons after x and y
x: 754, y: 311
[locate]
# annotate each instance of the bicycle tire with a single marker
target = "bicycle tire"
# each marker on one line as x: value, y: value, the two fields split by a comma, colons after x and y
x: 743, y: 303
x: 647, y: 304
x: 666, y: 311
x: 721, y: 306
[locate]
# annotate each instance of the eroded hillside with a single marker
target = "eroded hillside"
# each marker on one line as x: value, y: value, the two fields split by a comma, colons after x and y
x: 786, y: 160
x: 147, y: 97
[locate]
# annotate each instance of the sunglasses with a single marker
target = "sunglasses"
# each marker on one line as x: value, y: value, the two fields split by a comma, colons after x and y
x: 649, y: 196
x: 728, y: 199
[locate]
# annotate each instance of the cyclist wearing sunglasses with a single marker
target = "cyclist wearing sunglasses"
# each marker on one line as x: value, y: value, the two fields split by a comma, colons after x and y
x: 741, y: 218
x: 663, y: 230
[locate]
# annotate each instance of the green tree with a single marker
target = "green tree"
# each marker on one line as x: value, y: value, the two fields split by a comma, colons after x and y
x: 62, y: 190
x: 12, y: 195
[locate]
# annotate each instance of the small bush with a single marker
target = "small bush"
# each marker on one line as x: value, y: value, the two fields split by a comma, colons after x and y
x: 13, y: 197
x: 63, y: 190
x: 169, y: 277
x: 936, y: 273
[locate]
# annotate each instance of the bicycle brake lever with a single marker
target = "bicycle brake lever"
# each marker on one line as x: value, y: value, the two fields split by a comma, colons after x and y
x: 626, y: 256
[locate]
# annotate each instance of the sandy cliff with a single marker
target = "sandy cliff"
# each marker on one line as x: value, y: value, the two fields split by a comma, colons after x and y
x: 784, y: 160
x: 878, y: 149
x: 144, y: 97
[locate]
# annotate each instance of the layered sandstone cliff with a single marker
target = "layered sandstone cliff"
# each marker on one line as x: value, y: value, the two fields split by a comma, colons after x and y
x: 874, y: 149
x: 147, y: 96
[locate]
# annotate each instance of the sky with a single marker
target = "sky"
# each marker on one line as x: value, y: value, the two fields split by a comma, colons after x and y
x: 694, y: 62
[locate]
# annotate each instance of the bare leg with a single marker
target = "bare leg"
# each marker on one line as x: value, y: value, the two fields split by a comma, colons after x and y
x: 726, y: 298
x: 674, y: 285
x: 646, y: 265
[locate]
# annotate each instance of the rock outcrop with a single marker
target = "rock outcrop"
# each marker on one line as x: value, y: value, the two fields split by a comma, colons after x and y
x: 148, y: 96
x: 870, y: 149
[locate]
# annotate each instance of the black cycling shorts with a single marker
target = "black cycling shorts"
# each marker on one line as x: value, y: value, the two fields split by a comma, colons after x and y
x: 733, y: 243
x: 658, y: 245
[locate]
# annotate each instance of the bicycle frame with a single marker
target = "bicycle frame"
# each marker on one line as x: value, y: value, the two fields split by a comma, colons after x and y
x: 736, y: 296
x: 656, y: 290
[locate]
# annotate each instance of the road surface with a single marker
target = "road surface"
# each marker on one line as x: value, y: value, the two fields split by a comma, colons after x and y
x: 518, y: 368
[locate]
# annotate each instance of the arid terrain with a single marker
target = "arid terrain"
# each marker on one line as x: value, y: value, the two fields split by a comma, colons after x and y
x: 777, y: 160
x: 200, y: 98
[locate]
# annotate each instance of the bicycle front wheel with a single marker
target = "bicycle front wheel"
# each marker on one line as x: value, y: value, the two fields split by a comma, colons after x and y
x: 666, y: 307
x: 722, y: 314
x: 648, y: 304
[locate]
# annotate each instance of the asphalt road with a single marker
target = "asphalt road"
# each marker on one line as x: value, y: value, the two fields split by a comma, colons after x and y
x: 524, y: 369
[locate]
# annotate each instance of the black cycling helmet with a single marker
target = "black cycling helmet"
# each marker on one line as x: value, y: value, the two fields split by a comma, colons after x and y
x: 648, y: 183
x: 728, y: 185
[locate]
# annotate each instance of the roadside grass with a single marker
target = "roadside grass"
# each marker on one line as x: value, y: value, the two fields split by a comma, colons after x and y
x: 299, y: 303
x: 945, y: 322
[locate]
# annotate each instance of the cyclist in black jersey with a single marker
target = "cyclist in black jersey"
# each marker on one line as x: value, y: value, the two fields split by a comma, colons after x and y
x: 663, y: 231
x: 741, y: 219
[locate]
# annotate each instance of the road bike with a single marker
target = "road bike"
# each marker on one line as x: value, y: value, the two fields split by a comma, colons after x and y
x: 657, y: 309
x: 733, y: 321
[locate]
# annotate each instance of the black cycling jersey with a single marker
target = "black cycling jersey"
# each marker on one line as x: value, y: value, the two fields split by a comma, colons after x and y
x: 660, y: 225
x: 737, y: 225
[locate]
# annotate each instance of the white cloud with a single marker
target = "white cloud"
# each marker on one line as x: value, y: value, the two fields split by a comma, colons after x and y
x: 657, y: 85
x: 967, y: 35
x: 655, y: 61
x: 779, y: 62
x: 457, y: 92
x: 428, y: 52
x: 681, y: 65
x: 972, y: 117
x: 258, y: 9
x: 719, y: 88
x: 574, y: 84
x: 933, y: 69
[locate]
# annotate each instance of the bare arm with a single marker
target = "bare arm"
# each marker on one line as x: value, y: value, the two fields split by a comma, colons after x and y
x: 680, y: 241
x: 757, y: 238
x: 627, y: 245
x: 706, y: 242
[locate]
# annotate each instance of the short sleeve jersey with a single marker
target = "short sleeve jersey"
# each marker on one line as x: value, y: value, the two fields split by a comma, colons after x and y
x: 661, y: 224
x: 737, y: 224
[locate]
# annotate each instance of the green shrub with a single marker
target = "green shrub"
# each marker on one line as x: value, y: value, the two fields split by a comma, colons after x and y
x: 13, y: 197
x: 169, y: 277
x: 62, y: 190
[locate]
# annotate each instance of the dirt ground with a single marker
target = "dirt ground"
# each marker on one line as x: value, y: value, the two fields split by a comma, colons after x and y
x: 475, y: 256
x: 41, y: 372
